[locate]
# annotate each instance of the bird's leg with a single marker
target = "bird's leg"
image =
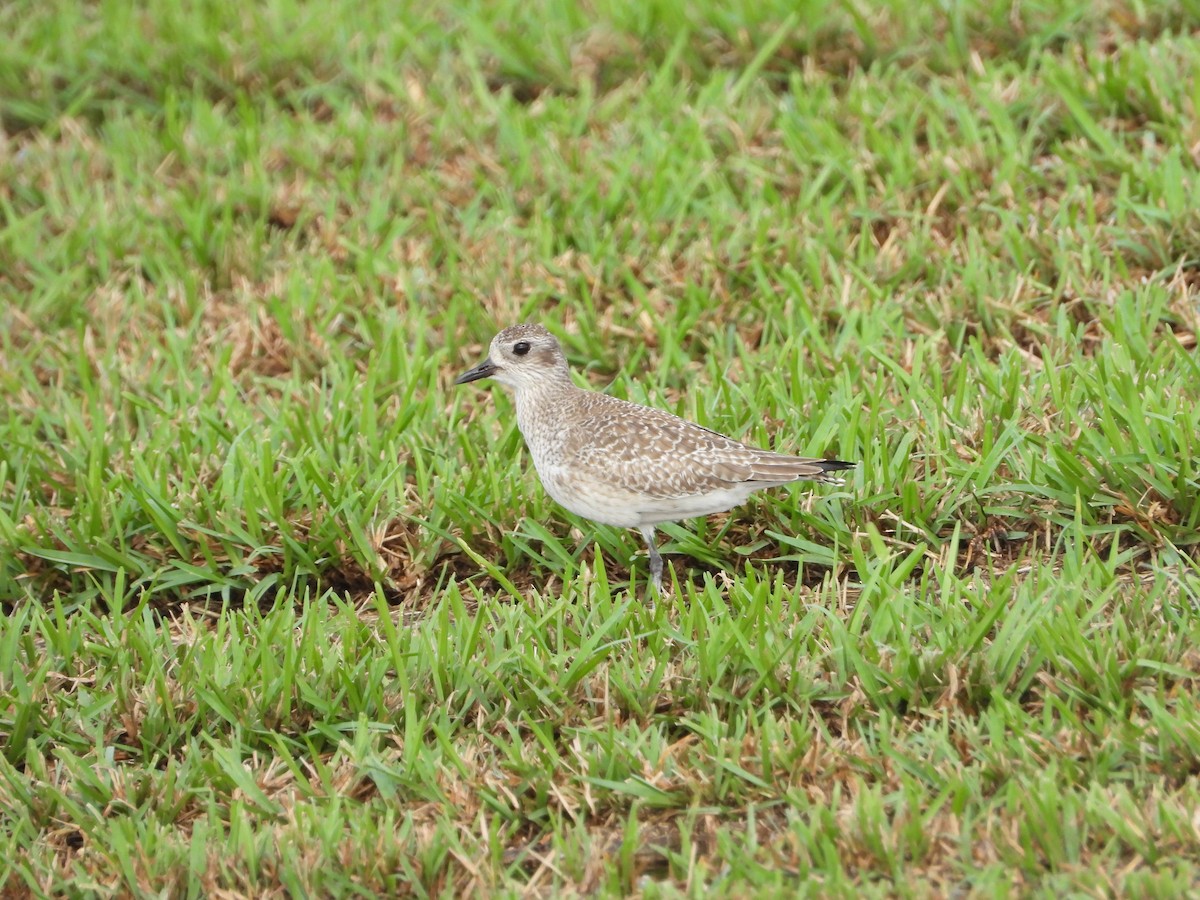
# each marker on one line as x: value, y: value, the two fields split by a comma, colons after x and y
x: 656, y: 563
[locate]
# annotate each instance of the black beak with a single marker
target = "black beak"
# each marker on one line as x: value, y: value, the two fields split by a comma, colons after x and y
x: 485, y: 369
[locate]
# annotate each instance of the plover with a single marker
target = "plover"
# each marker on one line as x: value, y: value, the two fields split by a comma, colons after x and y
x: 620, y: 463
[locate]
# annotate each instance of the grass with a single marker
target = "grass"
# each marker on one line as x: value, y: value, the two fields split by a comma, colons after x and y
x: 286, y: 612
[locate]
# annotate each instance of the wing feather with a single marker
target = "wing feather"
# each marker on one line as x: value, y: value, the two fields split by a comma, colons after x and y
x: 653, y: 452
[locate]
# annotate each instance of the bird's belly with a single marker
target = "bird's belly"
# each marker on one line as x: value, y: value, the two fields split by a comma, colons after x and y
x: 611, y: 504
x: 672, y: 509
x: 607, y: 504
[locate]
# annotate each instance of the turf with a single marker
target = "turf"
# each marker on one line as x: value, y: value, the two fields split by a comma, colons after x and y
x: 285, y: 612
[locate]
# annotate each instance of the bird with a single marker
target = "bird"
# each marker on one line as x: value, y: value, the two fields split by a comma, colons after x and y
x: 620, y: 463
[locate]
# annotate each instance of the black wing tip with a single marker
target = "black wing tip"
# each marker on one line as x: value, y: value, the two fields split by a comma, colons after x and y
x: 835, y: 465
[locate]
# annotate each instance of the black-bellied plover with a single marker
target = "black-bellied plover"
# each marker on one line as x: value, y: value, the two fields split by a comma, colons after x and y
x: 620, y: 463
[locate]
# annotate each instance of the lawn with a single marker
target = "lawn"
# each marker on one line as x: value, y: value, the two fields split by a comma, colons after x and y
x: 285, y: 612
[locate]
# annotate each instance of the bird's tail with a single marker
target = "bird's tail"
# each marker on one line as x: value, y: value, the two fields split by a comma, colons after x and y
x: 832, y: 465
x: 777, y: 468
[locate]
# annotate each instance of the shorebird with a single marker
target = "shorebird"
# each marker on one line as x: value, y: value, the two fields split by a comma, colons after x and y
x: 620, y: 463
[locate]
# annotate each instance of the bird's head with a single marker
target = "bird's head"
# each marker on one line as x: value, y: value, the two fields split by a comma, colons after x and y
x: 520, y: 357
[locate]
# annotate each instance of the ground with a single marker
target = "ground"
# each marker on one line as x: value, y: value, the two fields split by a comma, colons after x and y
x: 286, y: 612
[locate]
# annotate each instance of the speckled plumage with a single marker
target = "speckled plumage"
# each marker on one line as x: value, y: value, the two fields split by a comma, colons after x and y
x: 620, y: 463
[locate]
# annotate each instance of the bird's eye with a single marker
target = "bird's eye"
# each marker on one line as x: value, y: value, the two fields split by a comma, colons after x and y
x: 520, y: 348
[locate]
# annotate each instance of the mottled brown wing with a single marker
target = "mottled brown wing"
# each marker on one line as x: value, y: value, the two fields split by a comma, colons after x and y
x: 653, y: 452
